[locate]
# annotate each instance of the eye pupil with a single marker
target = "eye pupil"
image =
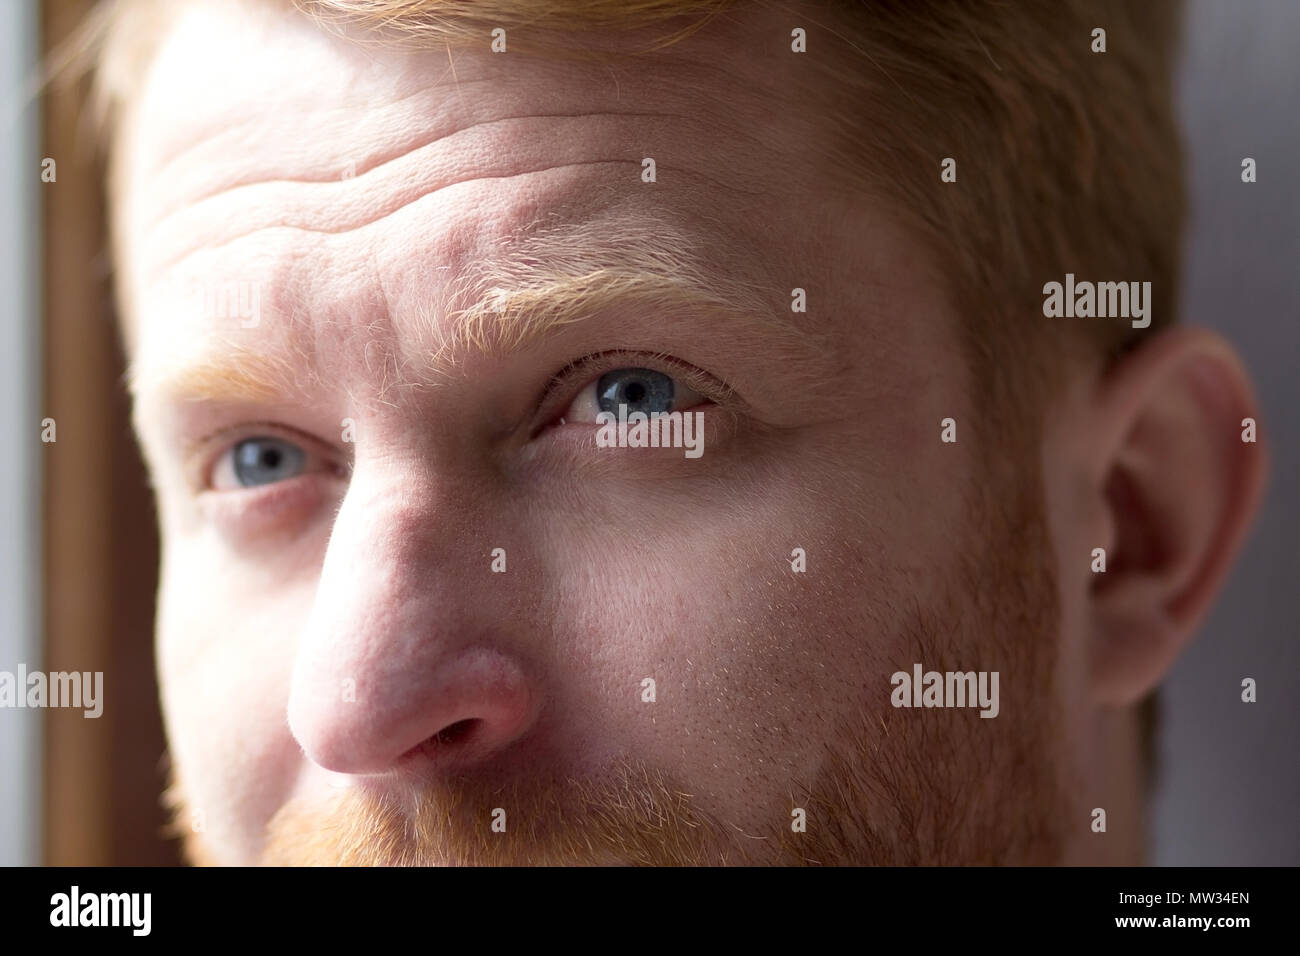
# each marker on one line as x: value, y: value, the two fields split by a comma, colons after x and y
x: 640, y: 389
x: 261, y: 461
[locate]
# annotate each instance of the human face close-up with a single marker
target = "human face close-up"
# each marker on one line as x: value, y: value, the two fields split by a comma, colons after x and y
x: 412, y: 610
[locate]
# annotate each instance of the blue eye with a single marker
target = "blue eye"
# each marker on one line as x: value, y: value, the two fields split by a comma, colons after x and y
x: 635, y: 389
x: 640, y: 389
x: 263, y: 461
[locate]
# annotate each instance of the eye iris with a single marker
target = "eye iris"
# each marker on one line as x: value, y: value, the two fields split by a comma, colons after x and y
x: 640, y: 389
x: 260, y: 461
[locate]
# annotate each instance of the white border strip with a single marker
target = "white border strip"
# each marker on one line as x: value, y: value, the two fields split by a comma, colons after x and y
x: 20, y: 416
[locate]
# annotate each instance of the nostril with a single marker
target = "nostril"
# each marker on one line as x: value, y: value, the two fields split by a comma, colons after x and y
x: 449, y: 738
x: 454, y: 733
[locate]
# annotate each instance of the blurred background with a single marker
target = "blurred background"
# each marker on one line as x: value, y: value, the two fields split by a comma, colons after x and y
x: 78, y: 548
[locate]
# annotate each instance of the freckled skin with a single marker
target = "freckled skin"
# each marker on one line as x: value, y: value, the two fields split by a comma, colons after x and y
x: 619, y: 568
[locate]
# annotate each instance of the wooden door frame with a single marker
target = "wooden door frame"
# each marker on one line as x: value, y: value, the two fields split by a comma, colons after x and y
x: 102, y: 777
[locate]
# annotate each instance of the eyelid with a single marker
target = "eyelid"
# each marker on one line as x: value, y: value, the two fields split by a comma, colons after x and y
x: 563, y: 387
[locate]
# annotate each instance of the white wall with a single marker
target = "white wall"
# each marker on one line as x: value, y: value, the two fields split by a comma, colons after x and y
x: 20, y: 416
x: 1231, y: 782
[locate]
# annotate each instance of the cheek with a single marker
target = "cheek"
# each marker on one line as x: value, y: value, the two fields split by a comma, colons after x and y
x: 757, y: 657
x: 225, y: 646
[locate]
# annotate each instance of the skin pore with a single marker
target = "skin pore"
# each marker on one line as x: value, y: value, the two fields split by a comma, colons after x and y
x: 345, y: 676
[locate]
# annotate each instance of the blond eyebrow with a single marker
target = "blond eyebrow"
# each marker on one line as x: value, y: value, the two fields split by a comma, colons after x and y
x: 555, y: 277
x: 543, y: 282
x: 230, y: 372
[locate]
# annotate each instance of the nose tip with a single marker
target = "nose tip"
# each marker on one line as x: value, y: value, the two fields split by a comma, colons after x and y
x: 449, y: 715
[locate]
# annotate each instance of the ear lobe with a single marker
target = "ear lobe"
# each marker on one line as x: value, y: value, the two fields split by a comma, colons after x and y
x: 1179, y: 489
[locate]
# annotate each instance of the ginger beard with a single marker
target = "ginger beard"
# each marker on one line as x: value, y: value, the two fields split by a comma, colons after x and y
x: 915, y: 786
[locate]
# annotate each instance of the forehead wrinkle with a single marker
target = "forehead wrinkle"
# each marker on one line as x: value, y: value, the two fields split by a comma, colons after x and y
x: 385, y: 154
x: 320, y: 219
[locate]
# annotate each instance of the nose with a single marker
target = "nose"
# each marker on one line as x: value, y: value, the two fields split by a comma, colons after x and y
x: 403, y: 658
x: 450, y: 713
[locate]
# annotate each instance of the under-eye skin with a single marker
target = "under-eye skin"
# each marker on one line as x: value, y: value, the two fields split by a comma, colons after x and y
x: 260, y: 482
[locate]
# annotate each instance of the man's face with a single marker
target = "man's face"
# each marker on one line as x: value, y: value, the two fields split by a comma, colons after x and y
x: 670, y: 655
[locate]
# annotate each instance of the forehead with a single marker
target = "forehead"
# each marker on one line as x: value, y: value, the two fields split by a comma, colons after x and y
x: 339, y: 186
x: 247, y: 94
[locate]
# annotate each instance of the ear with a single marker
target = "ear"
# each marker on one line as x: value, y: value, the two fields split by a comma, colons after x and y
x: 1178, y: 489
